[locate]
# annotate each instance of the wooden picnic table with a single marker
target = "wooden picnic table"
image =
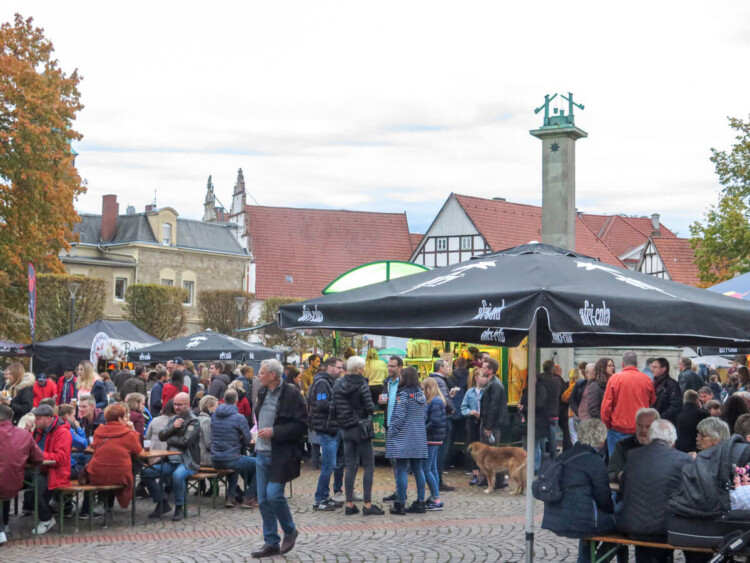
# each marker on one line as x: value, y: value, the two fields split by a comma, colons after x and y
x: 147, y: 455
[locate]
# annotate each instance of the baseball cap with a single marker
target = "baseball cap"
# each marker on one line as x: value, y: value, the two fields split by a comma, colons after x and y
x: 179, y: 360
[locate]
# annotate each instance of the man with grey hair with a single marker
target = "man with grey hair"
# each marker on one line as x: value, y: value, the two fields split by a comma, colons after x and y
x: 282, y: 419
x: 627, y: 391
x: 644, y: 418
x: 652, y: 474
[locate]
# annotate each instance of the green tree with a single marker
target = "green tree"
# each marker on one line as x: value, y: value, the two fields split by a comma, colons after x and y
x: 218, y: 309
x: 722, y: 242
x: 38, y: 178
x: 53, y: 304
x: 156, y: 309
x: 293, y: 339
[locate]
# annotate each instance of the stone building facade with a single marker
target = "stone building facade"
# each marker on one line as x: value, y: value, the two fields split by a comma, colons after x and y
x: 156, y: 246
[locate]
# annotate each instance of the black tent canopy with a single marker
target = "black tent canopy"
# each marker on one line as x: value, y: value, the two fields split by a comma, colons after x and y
x: 554, y: 296
x: 207, y: 346
x: 114, y: 339
x: 14, y: 350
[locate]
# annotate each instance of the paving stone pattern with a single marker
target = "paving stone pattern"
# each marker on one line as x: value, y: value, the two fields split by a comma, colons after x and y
x: 472, y: 527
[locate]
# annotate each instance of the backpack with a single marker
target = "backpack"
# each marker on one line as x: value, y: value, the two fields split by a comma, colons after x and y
x: 547, y: 486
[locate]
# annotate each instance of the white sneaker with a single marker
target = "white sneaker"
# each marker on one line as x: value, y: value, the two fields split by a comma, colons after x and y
x: 43, y: 527
x: 3, y: 539
x: 357, y: 496
x: 339, y: 497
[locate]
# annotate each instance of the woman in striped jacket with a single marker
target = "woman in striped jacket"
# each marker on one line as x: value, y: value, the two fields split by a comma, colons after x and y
x: 407, y: 440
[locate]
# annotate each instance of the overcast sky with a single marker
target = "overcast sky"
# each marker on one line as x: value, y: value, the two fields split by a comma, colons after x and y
x: 393, y: 105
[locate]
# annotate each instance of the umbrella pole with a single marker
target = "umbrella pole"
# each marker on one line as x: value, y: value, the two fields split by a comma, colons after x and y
x: 530, y: 431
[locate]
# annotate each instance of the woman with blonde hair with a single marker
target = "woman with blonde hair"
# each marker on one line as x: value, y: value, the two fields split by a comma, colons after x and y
x: 375, y: 373
x: 136, y: 403
x: 89, y: 383
x: 19, y: 393
x: 436, y: 426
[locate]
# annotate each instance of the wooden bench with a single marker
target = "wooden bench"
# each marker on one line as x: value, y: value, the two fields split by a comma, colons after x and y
x: 214, y: 477
x: 624, y: 540
x: 74, y: 490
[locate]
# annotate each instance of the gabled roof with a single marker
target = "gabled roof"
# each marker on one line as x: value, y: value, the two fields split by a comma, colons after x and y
x: 678, y: 258
x: 194, y: 235
x: 620, y: 233
x: 298, y: 252
x: 504, y: 224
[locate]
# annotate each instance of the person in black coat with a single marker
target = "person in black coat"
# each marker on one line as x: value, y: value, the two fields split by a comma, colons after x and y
x: 668, y: 392
x: 687, y: 422
x: 586, y: 508
x: 652, y: 474
x: 554, y: 387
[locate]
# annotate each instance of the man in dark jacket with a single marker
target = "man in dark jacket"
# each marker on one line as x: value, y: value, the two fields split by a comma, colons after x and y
x: 183, y: 433
x: 282, y: 420
x: 652, y: 474
x: 553, y: 387
x: 136, y: 383
x: 644, y: 418
x: 219, y: 380
x: 323, y: 421
x: 688, y: 379
x: 230, y: 433
x: 442, y: 370
x: 687, y: 422
x: 668, y: 393
x: 155, y: 403
x: 387, y: 401
x: 494, y: 406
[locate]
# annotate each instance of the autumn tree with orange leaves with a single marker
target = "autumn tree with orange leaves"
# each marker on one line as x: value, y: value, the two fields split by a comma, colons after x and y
x: 38, y: 178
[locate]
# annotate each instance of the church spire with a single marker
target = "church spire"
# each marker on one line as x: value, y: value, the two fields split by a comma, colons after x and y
x: 209, y: 204
x: 239, y: 197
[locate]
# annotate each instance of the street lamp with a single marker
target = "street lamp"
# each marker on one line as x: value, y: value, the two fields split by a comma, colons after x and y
x: 239, y: 301
x: 73, y: 289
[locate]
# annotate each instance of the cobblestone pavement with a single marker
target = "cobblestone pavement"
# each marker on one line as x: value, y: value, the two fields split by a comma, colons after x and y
x: 472, y: 527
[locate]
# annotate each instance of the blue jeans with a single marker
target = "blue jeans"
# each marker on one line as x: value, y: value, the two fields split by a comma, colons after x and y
x: 430, y: 469
x: 243, y: 466
x: 402, y: 478
x: 613, y: 436
x: 273, y: 506
x: 178, y: 474
x: 329, y: 446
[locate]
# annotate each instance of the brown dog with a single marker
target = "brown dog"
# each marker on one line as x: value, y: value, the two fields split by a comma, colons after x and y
x: 491, y: 459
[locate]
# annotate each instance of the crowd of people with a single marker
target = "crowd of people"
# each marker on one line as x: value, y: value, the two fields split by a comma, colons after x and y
x: 633, y: 433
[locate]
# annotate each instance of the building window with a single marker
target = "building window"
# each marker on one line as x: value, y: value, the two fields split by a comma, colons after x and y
x: 189, y: 287
x: 169, y: 283
x: 166, y: 232
x: 465, y: 243
x: 121, y: 284
x: 442, y: 243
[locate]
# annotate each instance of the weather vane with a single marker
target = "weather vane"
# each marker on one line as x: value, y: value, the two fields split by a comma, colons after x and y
x: 559, y: 119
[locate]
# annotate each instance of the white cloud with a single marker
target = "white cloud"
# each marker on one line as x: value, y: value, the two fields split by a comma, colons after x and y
x: 345, y: 104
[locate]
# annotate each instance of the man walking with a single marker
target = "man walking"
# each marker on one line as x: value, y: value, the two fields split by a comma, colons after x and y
x: 687, y: 378
x: 627, y: 391
x: 282, y: 418
x: 323, y: 421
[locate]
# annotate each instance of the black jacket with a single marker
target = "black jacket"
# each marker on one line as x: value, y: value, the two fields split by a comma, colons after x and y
x: 187, y: 439
x: 541, y: 424
x: 652, y: 474
x: 353, y: 402
x: 668, y: 398
x: 133, y: 385
x: 553, y: 386
x: 619, y: 457
x: 494, y: 406
x: 320, y: 404
x: 586, y: 506
x: 687, y: 426
x: 688, y: 379
x: 288, y: 432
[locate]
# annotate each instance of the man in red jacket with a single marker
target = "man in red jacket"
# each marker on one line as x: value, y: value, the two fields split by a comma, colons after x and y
x: 66, y: 387
x: 43, y: 388
x: 19, y: 449
x: 52, y: 435
x: 626, y: 392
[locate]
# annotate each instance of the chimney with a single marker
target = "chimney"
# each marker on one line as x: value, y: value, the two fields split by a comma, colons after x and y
x: 655, y: 225
x: 110, y: 210
x: 150, y: 207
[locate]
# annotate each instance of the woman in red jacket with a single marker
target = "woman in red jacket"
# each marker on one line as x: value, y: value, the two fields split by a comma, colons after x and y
x: 115, y: 444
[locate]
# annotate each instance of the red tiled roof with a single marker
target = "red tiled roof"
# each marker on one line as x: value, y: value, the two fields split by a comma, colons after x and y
x: 679, y: 259
x: 315, y: 246
x: 620, y: 233
x: 415, y: 238
x: 504, y: 224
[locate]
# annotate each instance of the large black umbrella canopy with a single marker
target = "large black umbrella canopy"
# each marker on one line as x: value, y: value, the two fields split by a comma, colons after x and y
x: 68, y: 350
x: 206, y: 346
x: 494, y: 299
x: 554, y: 296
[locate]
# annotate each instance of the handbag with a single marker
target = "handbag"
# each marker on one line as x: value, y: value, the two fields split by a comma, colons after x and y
x: 366, y: 429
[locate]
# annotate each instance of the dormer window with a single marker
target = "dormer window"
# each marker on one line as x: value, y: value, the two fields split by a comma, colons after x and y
x: 166, y: 234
